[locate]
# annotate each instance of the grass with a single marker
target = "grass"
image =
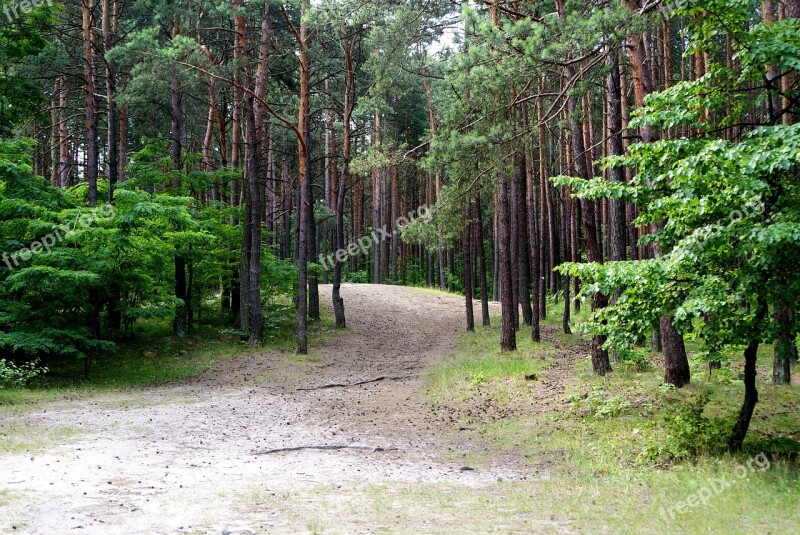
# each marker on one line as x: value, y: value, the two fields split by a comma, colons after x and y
x: 399, y: 507
x: 155, y: 357
x: 18, y: 437
x: 621, y: 453
x: 478, y: 362
x: 7, y: 496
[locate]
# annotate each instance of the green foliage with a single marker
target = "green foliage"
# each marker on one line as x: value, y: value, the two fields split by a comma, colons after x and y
x: 602, y: 404
x: 358, y: 277
x: 689, y: 432
x: 728, y: 212
x: 59, y: 299
x: 12, y: 375
x: 278, y: 277
x: 21, y: 38
x: 637, y: 357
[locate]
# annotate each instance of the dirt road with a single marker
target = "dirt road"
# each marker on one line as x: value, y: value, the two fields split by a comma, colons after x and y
x: 192, y: 458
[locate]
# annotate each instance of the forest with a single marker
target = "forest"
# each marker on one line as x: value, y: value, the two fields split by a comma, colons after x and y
x: 558, y: 239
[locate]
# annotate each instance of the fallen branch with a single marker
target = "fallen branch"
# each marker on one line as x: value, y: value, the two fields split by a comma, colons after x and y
x: 346, y: 385
x: 332, y: 447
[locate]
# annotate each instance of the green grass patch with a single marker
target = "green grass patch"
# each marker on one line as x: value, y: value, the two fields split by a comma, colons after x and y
x: 623, y: 453
x: 18, y: 436
x: 478, y: 362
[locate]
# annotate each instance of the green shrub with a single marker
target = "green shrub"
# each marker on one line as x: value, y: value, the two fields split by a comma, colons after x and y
x: 602, y: 404
x: 688, y: 432
x: 636, y: 357
x: 13, y: 376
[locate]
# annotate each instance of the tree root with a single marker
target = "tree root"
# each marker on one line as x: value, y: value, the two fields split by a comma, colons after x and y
x: 332, y: 447
x: 347, y: 385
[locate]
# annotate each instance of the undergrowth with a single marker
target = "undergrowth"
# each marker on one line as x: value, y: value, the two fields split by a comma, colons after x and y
x: 626, y: 442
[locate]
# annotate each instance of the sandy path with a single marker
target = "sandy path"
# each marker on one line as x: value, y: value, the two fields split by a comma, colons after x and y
x: 184, y: 459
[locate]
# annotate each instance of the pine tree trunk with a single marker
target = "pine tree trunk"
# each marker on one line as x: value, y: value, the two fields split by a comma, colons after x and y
x: 54, y: 134
x: 386, y: 226
x: 617, y: 233
x: 566, y: 229
x: 338, y: 302
x: 112, y: 155
x: 545, y: 214
x: 395, y: 242
x: 495, y: 251
x: 481, y: 261
x: 63, y: 137
x: 89, y: 75
x: 533, y: 249
x: 376, y: 202
x: 508, y: 341
x: 180, y: 323
x: 675, y: 362
x: 304, y: 128
x: 600, y: 361
x: 467, y: 248
x: 286, y: 208
x: 253, y: 208
x: 523, y: 244
x: 313, y: 278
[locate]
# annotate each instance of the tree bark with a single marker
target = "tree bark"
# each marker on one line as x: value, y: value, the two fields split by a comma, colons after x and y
x: 180, y: 324
x: 112, y: 156
x: 176, y: 128
x: 600, y: 361
x: 467, y: 248
x: 253, y: 208
x: 395, y: 242
x: 617, y: 233
x: 523, y: 243
x: 674, y: 350
x: 338, y: 302
x: 376, y: 200
x: 514, y: 240
x: 481, y: 261
x: 313, y: 277
x: 676, y: 368
x: 304, y: 128
x: 533, y: 250
x: 566, y: 229
x: 63, y: 137
x: 508, y: 341
x: 87, y: 12
x: 547, y: 246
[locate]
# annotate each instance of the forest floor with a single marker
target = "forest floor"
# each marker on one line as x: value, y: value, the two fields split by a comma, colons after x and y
x: 400, y: 424
x: 193, y: 458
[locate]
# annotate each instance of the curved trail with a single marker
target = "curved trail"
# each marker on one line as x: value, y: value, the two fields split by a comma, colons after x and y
x: 200, y: 457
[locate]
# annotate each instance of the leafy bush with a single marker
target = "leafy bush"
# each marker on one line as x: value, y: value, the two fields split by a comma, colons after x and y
x: 688, y: 432
x: 12, y: 375
x: 602, y: 404
x: 636, y: 357
x: 359, y: 277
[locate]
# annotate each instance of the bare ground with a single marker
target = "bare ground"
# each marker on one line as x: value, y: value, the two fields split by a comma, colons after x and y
x: 197, y: 457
